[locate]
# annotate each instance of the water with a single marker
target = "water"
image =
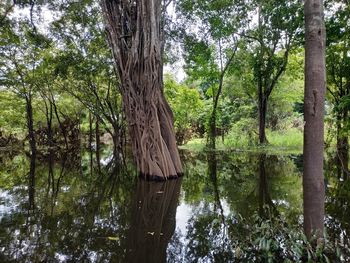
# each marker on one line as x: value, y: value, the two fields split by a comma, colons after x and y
x: 64, y: 210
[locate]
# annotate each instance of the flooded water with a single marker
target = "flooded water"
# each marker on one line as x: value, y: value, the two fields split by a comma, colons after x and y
x: 63, y: 208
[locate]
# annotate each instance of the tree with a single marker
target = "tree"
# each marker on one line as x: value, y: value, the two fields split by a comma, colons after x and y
x: 338, y: 70
x: 210, y: 52
x: 315, y: 80
x: 136, y: 37
x: 275, y: 36
x: 85, y: 66
x: 20, y: 52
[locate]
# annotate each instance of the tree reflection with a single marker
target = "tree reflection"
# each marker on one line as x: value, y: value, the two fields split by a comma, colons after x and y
x: 31, y: 183
x: 152, y: 220
x: 265, y: 202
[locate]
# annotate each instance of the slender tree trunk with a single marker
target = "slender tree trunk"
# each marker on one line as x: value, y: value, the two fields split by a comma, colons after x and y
x: 315, y: 80
x: 262, y: 108
x: 98, y: 144
x: 49, y: 124
x: 63, y: 129
x: 135, y: 35
x: 90, y: 132
x: 30, y: 124
x: 212, y: 130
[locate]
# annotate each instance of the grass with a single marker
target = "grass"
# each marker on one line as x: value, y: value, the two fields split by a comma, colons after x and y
x: 287, y: 141
x: 292, y: 138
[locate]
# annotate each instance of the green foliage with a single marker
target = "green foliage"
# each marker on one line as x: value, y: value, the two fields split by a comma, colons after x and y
x: 186, y: 104
x: 12, y: 117
x: 274, y: 240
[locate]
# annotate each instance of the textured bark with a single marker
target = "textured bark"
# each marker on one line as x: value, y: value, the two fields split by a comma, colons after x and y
x: 315, y: 82
x: 135, y: 35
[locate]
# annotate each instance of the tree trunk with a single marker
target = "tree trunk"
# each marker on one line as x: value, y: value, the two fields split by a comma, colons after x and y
x: 98, y: 144
x: 135, y: 35
x: 315, y: 79
x: 262, y: 108
x: 90, y: 133
x: 212, y: 130
x: 49, y: 115
x: 63, y: 129
x: 30, y: 124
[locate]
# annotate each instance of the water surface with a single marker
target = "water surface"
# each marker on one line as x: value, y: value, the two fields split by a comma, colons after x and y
x: 61, y: 208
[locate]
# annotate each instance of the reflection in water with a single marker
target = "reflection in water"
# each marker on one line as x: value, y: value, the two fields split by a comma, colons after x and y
x: 31, y: 182
x: 77, y: 214
x: 212, y: 172
x: 265, y: 202
x: 152, y: 220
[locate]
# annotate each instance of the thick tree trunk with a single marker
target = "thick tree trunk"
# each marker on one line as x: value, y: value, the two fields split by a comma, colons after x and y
x: 315, y: 80
x: 262, y: 108
x: 135, y: 35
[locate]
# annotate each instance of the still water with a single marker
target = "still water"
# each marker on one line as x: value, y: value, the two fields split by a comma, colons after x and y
x: 65, y: 208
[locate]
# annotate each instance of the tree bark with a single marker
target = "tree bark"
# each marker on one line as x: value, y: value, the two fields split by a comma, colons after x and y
x: 315, y: 84
x: 135, y: 35
x: 262, y: 108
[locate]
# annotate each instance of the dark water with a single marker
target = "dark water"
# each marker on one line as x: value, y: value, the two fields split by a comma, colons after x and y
x: 62, y: 209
